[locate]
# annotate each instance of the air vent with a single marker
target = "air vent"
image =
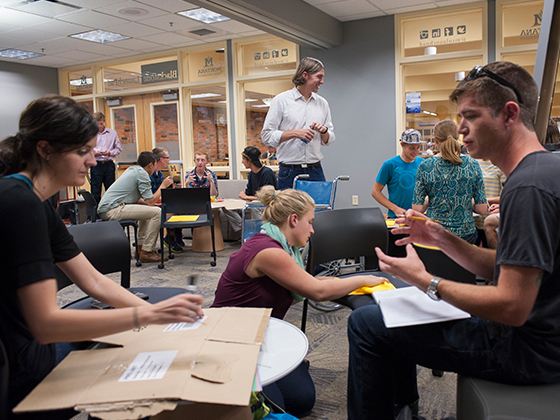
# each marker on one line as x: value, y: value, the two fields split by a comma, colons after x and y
x: 202, y: 32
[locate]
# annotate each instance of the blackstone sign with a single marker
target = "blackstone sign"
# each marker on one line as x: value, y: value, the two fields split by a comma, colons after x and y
x: 159, y: 72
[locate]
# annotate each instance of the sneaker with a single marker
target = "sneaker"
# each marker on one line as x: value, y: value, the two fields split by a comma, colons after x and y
x: 172, y: 245
x: 179, y: 240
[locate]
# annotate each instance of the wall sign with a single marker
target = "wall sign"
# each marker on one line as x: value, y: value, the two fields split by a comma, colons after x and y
x: 159, y: 72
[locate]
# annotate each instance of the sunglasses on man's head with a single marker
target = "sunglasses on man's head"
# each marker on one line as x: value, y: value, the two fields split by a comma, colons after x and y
x: 479, y: 71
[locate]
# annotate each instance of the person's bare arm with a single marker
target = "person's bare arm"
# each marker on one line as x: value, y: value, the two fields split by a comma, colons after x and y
x: 48, y: 323
x: 378, y: 195
x: 279, y: 266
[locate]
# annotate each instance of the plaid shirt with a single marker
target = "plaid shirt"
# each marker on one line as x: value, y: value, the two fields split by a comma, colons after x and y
x: 202, y: 183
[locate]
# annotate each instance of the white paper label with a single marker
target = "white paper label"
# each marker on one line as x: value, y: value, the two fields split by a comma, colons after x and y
x: 149, y: 365
x: 182, y: 326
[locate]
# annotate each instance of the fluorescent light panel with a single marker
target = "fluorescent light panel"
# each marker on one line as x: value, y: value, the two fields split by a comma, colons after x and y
x: 205, y: 95
x: 100, y: 36
x: 19, y: 54
x: 203, y: 15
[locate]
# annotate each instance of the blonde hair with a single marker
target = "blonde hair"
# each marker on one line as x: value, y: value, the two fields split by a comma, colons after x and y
x: 202, y: 152
x: 445, y: 133
x: 280, y: 205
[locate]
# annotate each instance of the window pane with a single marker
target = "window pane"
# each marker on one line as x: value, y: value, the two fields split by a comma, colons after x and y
x: 210, y: 121
x: 124, y: 123
x: 166, y: 128
x: 448, y: 33
x: 206, y: 65
x: 147, y: 73
x: 268, y: 56
x: 81, y: 82
x: 521, y: 23
x: 434, y: 81
x: 258, y: 96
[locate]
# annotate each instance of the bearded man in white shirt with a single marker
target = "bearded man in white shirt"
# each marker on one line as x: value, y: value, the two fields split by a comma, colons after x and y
x: 298, y: 123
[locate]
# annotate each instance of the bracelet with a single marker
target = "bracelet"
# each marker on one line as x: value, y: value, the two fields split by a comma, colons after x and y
x: 135, y: 317
x: 324, y: 132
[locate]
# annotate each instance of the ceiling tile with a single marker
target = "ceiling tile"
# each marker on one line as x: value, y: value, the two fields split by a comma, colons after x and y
x: 17, y: 18
x: 358, y: 16
x: 407, y: 9
x: 164, y: 22
x: 135, y: 29
x: 82, y: 56
x: 169, y: 5
x: 26, y: 36
x: 392, y: 4
x: 93, y: 19
x: 169, y: 39
x: 59, y: 27
x: 138, y: 44
x: 118, y: 9
x: 348, y: 7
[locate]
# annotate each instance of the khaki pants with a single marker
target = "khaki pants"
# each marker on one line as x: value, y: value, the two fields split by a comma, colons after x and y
x: 149, y: 221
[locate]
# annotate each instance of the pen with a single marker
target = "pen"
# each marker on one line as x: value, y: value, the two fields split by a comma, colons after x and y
x: 425, y: 219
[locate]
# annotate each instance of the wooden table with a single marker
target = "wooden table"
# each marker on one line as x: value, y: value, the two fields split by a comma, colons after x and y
x: 202, y: 236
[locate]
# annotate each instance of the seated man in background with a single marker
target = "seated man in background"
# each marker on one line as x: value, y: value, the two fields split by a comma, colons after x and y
x: 131, y: 197
x: 513, y: 336
x: 259, y: 176
x: 174, y: 238
x: 200, y: 177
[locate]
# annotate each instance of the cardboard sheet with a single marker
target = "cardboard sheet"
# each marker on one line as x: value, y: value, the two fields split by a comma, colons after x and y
x: 214, y: 363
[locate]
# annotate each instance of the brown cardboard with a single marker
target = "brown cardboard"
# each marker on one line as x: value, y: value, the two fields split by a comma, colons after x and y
x: 222, y: 354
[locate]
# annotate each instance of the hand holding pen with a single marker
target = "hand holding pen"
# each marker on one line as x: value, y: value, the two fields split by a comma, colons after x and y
x: 419, y: 228
x: 192, y: 289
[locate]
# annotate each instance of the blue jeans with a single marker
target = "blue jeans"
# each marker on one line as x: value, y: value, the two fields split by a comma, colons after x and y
x: 286, y: 175
x: 382, y: 361
x: 101, y: 174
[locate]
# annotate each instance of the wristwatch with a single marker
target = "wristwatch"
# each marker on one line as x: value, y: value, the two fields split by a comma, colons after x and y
x: 432, y: 288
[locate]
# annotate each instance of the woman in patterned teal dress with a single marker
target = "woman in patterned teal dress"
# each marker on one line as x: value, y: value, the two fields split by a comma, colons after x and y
x: 452, y: 183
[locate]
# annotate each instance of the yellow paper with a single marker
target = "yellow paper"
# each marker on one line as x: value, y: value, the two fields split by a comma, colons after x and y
x: 390, y: 222
x: 367, y: 290
x: 191, y: 218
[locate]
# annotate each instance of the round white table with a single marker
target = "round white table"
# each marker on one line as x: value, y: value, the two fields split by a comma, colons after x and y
x: 285, y: 346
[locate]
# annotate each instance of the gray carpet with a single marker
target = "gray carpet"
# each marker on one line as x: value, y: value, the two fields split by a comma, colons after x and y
x: 328, y: 346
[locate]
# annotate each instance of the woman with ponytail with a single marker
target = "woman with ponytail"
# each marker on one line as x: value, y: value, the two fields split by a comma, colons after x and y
x: 268, y: 272
x: 54, y: 149
x: 452, y: 183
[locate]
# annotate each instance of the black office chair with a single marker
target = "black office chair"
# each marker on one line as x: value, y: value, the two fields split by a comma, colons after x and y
x: 91, y: 215
x: 439, y: 264
x: 106, y: 247
x: 186, y: 201
x: 346, y: 233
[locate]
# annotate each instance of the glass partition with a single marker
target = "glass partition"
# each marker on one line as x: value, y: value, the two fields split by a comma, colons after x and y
x: 81, y: 82
x: 123, y: 120
x: 139, y: 74
x: 166, y: 128
x: 267, y: 56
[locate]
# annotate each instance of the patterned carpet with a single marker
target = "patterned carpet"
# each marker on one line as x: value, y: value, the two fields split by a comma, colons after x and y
x: 328, y: 346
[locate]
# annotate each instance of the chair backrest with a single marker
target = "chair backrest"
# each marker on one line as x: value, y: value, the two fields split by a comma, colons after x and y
x: 252, y: 225
x: 323, y: 192
x: 439, y: 264
x: 346, y: 233
x: 4, y: 380
x: 106, y: 247
x: 91, y: 205
x: 186, y: 201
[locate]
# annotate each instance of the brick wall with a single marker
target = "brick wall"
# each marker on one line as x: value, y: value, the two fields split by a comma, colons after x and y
x: 166, y: 123
x: 124, y: 125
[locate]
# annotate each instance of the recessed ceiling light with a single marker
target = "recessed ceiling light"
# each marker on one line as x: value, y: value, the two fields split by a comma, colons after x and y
x: 19, y: 54
x: 203, y: 15
x: 102, y: 37
x: 205, y: 95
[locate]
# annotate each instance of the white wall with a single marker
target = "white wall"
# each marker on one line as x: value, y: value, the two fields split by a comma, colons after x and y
x: 360, y: 88
x: 19, y: 85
